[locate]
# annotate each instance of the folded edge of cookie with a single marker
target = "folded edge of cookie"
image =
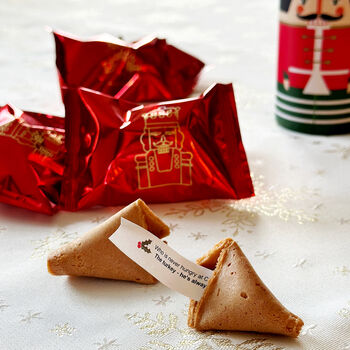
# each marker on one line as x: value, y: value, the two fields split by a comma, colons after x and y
x: 94, y: 255
x: 236, y: 299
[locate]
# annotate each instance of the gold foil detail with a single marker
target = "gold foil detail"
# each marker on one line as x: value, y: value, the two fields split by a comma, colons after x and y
x: 24, y: 135
x: 164, y: 162
x: 123, y: 58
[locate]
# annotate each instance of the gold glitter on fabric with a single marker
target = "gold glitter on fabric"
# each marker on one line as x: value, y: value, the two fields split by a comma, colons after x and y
x: 63, y: 329
x: 158, y: 326
x: 161, y: 325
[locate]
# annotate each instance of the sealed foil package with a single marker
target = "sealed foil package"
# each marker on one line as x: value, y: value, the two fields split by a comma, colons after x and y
x: 173, y: 151
x: 32, y: 158
x: 146, y: 70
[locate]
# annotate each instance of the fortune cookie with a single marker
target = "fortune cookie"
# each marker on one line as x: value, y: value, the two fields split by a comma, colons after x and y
x: 95, y: 255
x: 236, y: 299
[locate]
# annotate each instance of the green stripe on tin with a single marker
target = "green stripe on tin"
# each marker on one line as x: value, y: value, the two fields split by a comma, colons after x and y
x: 335, y: 94
x: 314, y: 129
x: 313, y: 116
x: 315, y: 107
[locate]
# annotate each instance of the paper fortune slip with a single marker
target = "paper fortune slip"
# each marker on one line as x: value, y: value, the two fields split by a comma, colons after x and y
x: 161, y: 261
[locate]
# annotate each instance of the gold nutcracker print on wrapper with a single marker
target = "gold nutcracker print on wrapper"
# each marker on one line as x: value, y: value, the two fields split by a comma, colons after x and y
x: 164, y: 162
x: 314, y: 66
x: 43, y: 140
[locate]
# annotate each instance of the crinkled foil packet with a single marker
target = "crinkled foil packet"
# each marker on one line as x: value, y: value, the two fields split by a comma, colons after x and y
x: 182, y: 150
x: 116, y: 144
x: 32, y: 156
x: 146, y: 70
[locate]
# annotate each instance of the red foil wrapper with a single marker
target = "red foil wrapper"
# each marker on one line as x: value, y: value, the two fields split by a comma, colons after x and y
x: 31, y: 159
x: 166, y: 152
x: 146, y: 70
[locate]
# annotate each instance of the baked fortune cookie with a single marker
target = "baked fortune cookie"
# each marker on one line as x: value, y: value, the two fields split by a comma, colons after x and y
x: 236, y: 299
x: 95, y: 255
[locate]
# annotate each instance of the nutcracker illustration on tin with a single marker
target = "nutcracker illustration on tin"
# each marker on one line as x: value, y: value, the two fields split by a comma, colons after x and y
x: 164, y: 162
x: 314, y: 66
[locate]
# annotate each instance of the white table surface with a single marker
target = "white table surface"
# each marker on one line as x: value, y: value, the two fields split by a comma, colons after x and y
x: 295, y: 231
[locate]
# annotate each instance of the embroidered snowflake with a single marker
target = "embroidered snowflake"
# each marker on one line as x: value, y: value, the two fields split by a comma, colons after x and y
x: 51, y: 242
x: 197, y: 236
x: 159, y: 326
x: 107, y: 344
x: 317, y: 206
x: 63, y: 329
x: 172, y: 227
x: 344, y: 270
x: 343, y: 221
x: 264, y: 254
x: 98, y: 219
x: 308, y: 329
x: 320, y: 172
x: 239, y: 220
x: 30, y: 316
x: 343, y: 151
x: 345, y: 311
x: 162, y: 300
x: 197, y: 208
x: 3, y: 305
x: 300, y: 263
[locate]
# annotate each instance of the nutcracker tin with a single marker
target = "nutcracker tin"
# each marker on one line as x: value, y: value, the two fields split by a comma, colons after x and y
x: 313, y: 91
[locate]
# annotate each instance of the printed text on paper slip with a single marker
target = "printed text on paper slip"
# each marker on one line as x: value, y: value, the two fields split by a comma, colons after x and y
x: 161, y: 261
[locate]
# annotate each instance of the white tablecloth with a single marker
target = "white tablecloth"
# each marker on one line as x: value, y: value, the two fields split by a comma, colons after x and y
x: 295, y: 231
